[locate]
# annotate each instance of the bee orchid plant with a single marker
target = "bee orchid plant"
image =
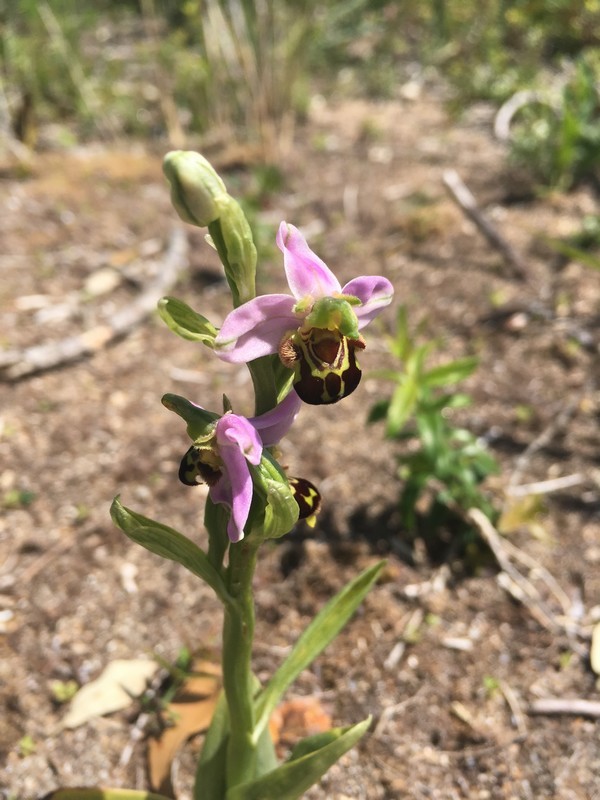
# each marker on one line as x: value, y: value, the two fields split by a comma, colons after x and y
x: 299, y: 347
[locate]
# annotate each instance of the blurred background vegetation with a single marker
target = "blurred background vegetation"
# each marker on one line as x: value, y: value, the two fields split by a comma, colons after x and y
x: 191, y: 70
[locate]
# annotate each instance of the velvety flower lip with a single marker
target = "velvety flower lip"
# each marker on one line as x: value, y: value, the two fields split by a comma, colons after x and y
x: 237, y: 443
x: 257, y: 327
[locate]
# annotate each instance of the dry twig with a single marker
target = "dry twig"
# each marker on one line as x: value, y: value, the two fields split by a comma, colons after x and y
x: 546, y: 487
x: 565, y: 705
x: 463, y: 197
x: 515, y: 708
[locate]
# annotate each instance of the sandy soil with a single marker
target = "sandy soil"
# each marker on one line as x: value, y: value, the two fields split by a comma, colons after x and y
x: 446, y: 660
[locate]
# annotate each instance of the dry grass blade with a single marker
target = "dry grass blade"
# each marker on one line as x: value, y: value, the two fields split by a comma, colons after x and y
x: 566, y: 705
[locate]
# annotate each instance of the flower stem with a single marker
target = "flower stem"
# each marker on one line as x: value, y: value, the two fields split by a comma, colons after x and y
x: 238, y: 633
x: 265, y: 391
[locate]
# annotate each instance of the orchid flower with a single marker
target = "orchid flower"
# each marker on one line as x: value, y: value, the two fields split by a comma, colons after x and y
x: 222, y: 456
x: 315, y: 330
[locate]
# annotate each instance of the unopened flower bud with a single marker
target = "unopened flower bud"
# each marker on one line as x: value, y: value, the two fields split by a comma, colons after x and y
x: 195, y: 187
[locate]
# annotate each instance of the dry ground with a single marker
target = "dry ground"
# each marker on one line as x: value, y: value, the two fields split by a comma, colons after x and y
x: 75, y: 594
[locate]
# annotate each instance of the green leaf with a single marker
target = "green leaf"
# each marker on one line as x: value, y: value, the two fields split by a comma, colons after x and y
x: 448, y: 374
x: 574, y: 253
x: 321, y: 631
x: 403, y: 403
x: 311, y: 744
x: 394, y: 375
x: 266, y: 757
x: 168, y: 543
x: 102, y: 794
x: 401, y: 345
x: 210, y: 783
x: 378, y: 411
x: 186, y: 322
x: 292, y: 779
x: 211, y: 771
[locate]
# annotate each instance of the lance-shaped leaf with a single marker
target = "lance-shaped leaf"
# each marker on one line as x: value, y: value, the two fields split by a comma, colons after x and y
x: 451, y: 373
x: 211, y: 771
x: 186, y: 322
x: 210, y: 778
x: 168, y: 543
x: 307, y: 765
x: 321, y: 631
x: 402, y: 404
x: 102, y: 794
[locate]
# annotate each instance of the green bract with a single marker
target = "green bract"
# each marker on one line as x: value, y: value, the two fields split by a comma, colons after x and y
x: 280, y: 508
x: 200, y: 423
x: 232, y: 236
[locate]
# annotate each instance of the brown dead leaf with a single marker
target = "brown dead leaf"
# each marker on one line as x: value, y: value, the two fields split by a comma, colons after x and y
x: 191, y: 713
x: 297, y: 718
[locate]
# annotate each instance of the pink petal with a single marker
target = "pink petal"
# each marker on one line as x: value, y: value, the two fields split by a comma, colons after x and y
x: 237, y: 493
x: 255, y: 328
x: 273, y: 425
x: 238, y: 443
x: 374, y: 293
x: 221, y: 493
x: 306, y: 273
x: 238, y: 432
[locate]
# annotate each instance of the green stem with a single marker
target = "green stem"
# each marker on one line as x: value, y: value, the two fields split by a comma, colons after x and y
x: 215, y: 522
x: 261, y: 369
x: 265, y: 391
x: 238, y: 634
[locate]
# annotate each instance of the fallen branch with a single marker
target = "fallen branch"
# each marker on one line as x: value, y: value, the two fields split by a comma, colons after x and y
x: 17, y: 364
x: 560, y: 705
x: 467, y: 203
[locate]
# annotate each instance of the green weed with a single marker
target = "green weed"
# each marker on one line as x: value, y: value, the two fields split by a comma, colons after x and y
x: 441, y: 466
x: 558, y: 138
